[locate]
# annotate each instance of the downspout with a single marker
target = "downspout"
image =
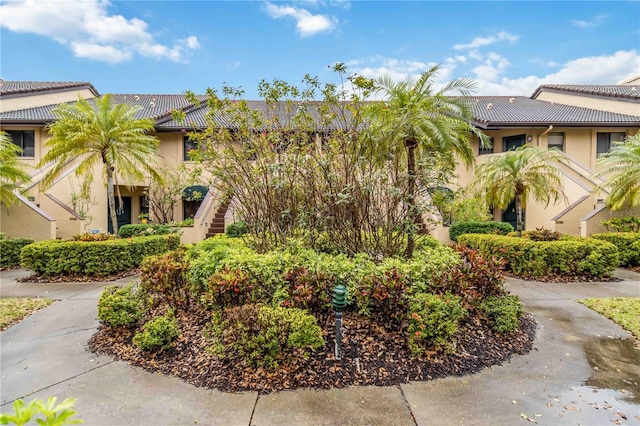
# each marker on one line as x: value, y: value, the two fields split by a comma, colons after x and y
x: 550, y: 128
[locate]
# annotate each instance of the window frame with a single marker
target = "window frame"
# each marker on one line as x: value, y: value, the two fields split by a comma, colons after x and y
x: 186, y: 142
x: 486, y: 151
x: 608, y: 142
x: 562, y: 144
x: 21, y: 143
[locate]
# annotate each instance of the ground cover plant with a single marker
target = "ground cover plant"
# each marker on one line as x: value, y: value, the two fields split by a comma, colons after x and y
x: 14, y: 309
x: 222, y: 315
x: 624, y: 311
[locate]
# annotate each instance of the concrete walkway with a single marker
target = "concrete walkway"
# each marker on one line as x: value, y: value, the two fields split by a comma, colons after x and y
x: 584, y: 369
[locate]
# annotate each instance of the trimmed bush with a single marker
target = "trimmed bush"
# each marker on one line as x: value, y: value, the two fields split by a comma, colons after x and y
x: 301, y: 277
x: 158, y: 334
x: 263, y: 335
x: 147, y: 229
x: 57, y: 257
x: 10, y: 251
x: 627, y: 243
x: 504, y: 312
x: 433, y: 320
x: 622, y: 224
x: 535, y: 259
x: 490, y: 227
x: 93, y: 237
x: 236, y: 229
x: 165, y: 276
x: 120, y: 306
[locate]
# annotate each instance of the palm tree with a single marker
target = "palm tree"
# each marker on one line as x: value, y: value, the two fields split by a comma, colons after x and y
x: 621, y: 167
x: 415, y: 120
x: 12, y: 172
x: 519, y: 174
x: 98, y: 132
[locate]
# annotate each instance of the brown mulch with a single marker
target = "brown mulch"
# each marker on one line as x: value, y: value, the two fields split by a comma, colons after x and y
x: 35, y: 278
x: 384, y: 357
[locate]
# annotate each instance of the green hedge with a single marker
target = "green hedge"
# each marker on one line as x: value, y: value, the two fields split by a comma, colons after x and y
x: 272, y: 275
x: 534, y: 259
x: 147, y: 229
x: 460, y: 228
x: 58, y: 257
x: 10, y: 251
x: 627, y: 243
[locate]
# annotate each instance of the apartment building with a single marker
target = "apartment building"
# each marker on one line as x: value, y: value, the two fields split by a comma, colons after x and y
x: 580, y: 120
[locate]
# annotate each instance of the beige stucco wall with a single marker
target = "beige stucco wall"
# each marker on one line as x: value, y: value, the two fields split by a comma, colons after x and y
x: 24, y: 220
x: 617, y: 105
x: 32, y: 101
x: 592, y: 224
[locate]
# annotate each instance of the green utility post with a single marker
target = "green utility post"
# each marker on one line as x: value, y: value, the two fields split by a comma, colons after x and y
x: 339, y: 303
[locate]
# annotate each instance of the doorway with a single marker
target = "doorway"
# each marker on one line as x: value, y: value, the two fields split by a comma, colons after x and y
x: 511, y: 216
x: 123, y: 213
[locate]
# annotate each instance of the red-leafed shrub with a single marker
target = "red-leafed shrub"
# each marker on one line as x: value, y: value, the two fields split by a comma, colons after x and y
x: 307, y: 289
x: 476, y: 278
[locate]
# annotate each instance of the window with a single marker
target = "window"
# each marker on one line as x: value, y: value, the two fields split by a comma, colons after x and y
x: 513, y: 142
x: 605, y: 140
x: 485, y: 150
x: 24, y: 139
x: 188, y: 146
x: 556, y: 140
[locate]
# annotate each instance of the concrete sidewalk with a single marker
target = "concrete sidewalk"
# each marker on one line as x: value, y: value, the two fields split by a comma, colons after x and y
x: 584, y: 369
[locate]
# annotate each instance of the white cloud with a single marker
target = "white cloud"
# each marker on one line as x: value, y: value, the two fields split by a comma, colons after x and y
x: 604, y: 69
x: 489, y: 72
x: 400, y: 70
x: 485, y: 41
x: 108, y: 54
x: 89, y: 30
x: 491, y: 68
x: 307, y: 24
x: 589, y: 24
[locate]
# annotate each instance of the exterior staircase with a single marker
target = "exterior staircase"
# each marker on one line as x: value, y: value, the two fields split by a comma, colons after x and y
x: 217, y: 224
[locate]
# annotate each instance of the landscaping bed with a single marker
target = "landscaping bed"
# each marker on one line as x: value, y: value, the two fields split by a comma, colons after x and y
x: 385, y: 358
x: 222, y: 315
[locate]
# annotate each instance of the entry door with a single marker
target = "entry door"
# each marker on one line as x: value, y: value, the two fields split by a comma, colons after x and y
x: 513, y: 142
x: 511, y: 216
x: 123, y: 213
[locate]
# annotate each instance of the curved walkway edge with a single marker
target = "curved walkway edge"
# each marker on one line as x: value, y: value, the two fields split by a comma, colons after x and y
x: 584, y: 369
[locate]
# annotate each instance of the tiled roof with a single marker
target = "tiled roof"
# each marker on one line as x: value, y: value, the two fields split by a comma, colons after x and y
x: 512, y: 111
x: 154, y: 106
x: 151, y: 106
x: 490, y: 111
x: 198, y: 118
x: 19, y: 87
x: 612, y: 91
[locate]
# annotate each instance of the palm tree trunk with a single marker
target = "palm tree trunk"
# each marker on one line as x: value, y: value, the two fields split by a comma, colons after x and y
x: 112, y: 200
x: 412, y: 213
x: 519, y: 221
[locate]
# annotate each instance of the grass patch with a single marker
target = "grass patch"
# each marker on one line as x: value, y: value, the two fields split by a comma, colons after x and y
x: 624, y: 311
x: 15, y: 309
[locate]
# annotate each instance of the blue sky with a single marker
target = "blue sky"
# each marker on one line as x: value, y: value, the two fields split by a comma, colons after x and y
x: 509, y: 48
